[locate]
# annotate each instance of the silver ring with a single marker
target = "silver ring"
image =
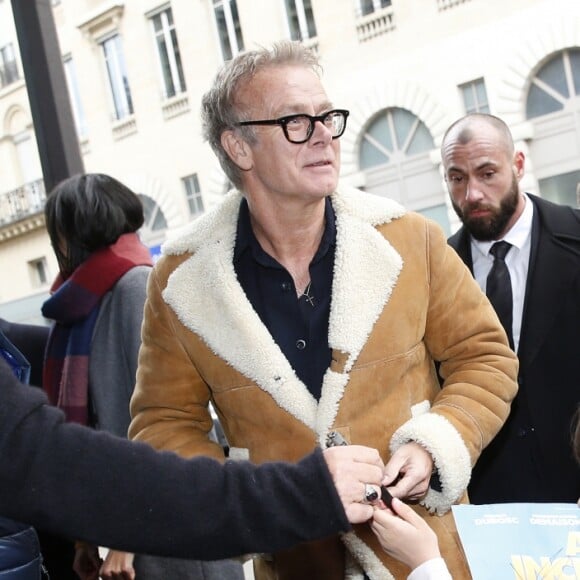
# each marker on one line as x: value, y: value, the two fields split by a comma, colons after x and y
x: 371, y: 494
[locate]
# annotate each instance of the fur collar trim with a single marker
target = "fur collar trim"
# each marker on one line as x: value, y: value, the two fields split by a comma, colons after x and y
x: 206, y: 296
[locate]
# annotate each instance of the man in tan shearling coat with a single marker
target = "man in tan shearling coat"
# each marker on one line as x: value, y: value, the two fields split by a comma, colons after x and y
x: 239, y: 306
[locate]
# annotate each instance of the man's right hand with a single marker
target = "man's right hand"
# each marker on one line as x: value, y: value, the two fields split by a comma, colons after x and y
x: 353, y: 467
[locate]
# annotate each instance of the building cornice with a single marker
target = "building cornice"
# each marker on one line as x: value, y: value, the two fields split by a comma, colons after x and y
x: 21, y: 227
x: 102, y: 21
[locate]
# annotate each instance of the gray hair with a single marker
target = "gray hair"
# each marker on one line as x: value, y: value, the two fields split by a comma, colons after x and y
x: 218, y: 107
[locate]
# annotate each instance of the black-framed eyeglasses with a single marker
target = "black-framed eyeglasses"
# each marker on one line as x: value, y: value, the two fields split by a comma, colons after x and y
x: 299, y: 128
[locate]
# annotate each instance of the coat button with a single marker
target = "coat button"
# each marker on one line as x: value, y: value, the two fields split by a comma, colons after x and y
x: 300, y: 344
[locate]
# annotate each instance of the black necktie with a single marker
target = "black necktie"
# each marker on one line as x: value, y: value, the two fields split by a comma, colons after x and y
x: 499, y: 287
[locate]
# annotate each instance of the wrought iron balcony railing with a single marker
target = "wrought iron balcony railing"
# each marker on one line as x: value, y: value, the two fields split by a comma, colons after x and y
x: 23, y: 202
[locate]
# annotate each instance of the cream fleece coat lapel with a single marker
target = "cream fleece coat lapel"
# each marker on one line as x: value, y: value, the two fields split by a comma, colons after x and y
x: 207, y: 298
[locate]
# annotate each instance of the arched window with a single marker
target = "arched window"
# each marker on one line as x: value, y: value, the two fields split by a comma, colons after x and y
x: 394, y: 155
x: 553, y: 105
x: 153, y: 230
x: 555, y: 84
x: 392, y: 136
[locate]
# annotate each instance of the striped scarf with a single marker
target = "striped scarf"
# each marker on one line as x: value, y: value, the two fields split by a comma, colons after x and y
x: 74, y: 307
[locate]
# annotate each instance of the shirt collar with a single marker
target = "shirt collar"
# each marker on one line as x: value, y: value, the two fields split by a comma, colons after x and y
x: 246, y: 240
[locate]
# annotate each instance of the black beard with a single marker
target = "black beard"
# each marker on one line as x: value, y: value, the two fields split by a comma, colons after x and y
x: 490, y: 228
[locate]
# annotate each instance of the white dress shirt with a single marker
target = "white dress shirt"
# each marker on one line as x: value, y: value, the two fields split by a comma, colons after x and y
x: 517, y: 261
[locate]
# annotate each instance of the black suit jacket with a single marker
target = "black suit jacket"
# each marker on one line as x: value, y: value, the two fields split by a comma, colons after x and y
x: 531, y: 458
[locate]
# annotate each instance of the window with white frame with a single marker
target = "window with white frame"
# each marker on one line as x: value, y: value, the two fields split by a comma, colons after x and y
x: 300, y: 19
x: 38, y: 270
x: 475, y: 96
x: 117, y: 74
x: 395, y: 157
x: 553, y: 107
x: 394, y: 135
x: 556, y: 85
x: 193, y: 194
x: 75, y: 97
x: 27, y: 156
x: 154, y: 216
x: 8, y: 67
x: 169, y: 57
x: 366, y: 7
x: 229, y: 28
x: 562, y: 189
x: 155, y: 225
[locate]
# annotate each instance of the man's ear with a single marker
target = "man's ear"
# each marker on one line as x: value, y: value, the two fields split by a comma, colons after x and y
x: 237, y: 149
x: 519, y: 163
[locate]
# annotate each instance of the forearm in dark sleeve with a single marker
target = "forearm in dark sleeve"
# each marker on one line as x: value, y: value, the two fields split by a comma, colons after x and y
x: 93, y: 486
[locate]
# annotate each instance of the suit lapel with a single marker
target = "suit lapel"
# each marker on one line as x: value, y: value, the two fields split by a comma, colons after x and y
x: 549, y: 276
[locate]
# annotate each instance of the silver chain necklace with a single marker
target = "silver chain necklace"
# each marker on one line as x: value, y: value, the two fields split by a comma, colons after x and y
x: 306, y: 294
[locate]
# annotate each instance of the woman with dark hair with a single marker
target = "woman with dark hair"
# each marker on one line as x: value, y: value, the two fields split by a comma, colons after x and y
x: 87, y: 213
x: 96, y: 304
x: 96, y: 300
x: 97, y: 308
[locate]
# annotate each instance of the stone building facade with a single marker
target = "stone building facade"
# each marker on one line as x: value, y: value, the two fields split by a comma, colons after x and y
x: 405, y: 69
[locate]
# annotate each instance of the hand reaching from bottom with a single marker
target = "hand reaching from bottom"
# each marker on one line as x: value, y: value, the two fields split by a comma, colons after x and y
x: 404, y: 534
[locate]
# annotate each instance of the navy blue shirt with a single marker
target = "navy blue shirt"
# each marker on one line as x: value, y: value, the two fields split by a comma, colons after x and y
x: 298, y: 325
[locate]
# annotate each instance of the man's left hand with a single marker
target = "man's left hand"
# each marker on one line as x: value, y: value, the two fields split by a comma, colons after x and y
x: 408, y: 472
